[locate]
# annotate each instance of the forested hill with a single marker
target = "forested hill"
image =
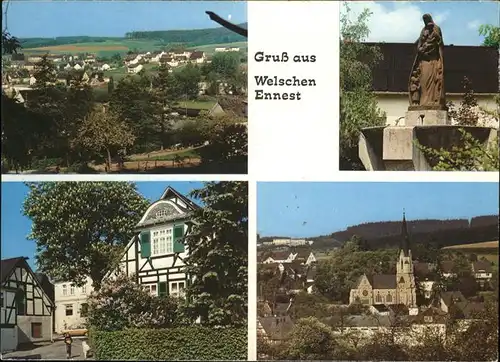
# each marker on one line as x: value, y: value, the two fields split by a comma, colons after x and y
x: 440, y: 232
x: 193, y: 37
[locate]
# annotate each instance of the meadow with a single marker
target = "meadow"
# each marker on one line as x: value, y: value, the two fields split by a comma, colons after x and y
x: 487, y: 249
x: 109, y: 47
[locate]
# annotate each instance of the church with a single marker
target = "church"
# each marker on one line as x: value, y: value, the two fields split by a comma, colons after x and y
x: 389, y: 288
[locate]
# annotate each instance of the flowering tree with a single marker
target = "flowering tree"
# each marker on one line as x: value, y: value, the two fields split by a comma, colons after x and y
x: 121, y: 303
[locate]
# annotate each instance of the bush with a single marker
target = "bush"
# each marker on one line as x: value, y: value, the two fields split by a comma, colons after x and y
x: 181, y: 343
x: 121, y: 303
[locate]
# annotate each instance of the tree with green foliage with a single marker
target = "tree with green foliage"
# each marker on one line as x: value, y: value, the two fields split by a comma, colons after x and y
x: 491, y: 35
x: 104, y: 132
x: 134, y: 103
x: 227, y: 148
x: 470, y: 154
x: 225, y: 69
x: 111, y: 85
x: 24, y: 133
x: 358, y: 104
x: 311, y: 340
x: 187, y: 80
x: 81, y: 228
x: 48, y: 99
x: 466, y: 115
x: 218, y: 255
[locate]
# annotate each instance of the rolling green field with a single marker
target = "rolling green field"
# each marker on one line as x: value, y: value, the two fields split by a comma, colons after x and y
x: 487, y: 249
x: 110, y: 47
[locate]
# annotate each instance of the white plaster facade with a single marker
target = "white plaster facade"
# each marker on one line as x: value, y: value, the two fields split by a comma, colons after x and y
x: 71, y: 305
x: 395, y: 105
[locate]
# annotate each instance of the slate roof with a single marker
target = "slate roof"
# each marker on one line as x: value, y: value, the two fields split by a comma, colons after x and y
x: 446, y: 266
x: 481, y: 266
x: 303, y: 254
x: 311, y: 273
x: 280, y: 255
x: 277, y: 328
x: 381, y: 308
x: 383, y: 281
x: 478, y: 63
x: 280, y: 309
x: 6, y: 267
x: 130, y: 57
x: 46, y: 285
x: 233, y: 105
x: 196, y: 55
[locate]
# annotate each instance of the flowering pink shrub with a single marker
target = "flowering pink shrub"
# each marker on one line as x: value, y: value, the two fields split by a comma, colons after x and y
x: 121, y: 303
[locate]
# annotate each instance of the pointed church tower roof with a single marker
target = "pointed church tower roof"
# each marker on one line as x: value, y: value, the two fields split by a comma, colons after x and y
x: 405, y: 238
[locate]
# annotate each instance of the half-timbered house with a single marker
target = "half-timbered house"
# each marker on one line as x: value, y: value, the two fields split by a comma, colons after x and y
x: 8, y: 319
x: 156, y: 253
x: 26, y: 308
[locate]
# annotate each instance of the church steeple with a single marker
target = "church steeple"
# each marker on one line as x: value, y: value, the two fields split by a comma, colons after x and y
x: 405, y: 238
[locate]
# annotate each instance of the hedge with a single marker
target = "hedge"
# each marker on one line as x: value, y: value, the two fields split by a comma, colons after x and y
x: 179, y: 343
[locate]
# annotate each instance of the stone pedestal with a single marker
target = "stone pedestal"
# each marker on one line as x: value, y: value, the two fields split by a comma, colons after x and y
x: 395, y: 148
x: 427, y: 118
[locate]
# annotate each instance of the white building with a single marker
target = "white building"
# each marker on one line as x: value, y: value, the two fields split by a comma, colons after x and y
x: 227, y: 49
x: 27, y: 316
x: 155, y: 255
x: 134, y: 68
x: 105, y: 66
x: 71, y: 305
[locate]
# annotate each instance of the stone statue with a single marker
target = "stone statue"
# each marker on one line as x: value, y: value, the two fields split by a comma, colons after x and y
x: 426, y: 83
x: 226, y: 24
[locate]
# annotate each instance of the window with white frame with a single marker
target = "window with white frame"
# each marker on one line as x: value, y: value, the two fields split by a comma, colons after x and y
x: 65, y: 289
x: 177, y: 289
x: 84, y: 289
x: 72, y: 290
x: 152, y: 289
x: 162, y: 241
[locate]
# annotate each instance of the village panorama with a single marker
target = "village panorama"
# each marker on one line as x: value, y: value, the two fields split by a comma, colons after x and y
x: 148, y: 102
x: 408, y: 288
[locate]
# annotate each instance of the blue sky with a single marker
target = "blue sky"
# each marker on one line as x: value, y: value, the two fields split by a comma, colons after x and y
x: 15, y: 226
x: 301, y: 209
x: 401, y: 21
x: 36, y: 18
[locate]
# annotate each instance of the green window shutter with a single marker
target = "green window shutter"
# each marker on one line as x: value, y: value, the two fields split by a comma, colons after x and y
x: 162, y: 289
x: 178, y: 236
x: 145, y: 244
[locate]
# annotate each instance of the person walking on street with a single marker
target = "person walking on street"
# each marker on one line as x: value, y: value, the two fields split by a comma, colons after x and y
x: 68, y: 340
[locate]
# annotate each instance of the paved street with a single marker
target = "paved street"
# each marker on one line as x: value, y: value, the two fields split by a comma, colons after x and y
x: 48, y: 350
